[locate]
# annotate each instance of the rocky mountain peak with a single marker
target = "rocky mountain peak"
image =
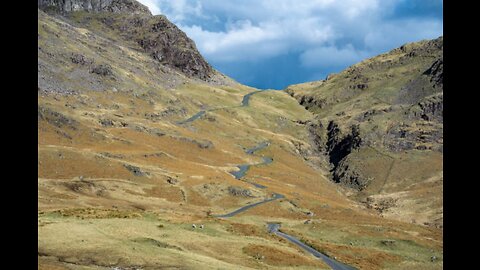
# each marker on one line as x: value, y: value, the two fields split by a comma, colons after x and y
x: 115, y: 6
x: 156, y: 35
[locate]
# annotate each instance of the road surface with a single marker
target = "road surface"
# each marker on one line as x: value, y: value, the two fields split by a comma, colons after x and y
x: 238, y: 211
x: 335, y: 265
x: 245, y: 101
x: 193, y: 118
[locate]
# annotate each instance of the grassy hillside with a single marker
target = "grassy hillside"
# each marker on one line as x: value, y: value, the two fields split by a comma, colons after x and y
x: 379, y: 124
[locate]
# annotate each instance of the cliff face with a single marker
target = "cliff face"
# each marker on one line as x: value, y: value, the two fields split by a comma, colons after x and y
x: 166, y: 43
x: 127, y: 6
x: 132, y: 21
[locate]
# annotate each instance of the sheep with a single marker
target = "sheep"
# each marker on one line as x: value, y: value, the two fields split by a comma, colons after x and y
x: 194, y: 226
x: 201, y: 226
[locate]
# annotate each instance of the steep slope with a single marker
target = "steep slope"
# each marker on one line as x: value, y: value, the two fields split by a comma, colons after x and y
x: 122, y: 174
x: 379, y: 127
x: 131, y: 22
x: 115, y: 6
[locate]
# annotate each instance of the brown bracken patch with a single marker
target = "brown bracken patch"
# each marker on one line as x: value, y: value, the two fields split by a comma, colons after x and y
x: 277, y: 257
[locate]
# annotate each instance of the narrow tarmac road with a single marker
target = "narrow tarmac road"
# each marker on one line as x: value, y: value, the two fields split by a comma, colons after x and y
x: 272, y: 227
x: 335, y: 265
x: 238, y: 211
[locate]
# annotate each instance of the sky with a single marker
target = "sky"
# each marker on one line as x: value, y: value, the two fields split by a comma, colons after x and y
x: 270, y: 44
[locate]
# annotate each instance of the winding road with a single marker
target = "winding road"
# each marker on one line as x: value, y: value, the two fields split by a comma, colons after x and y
x: 335, y: 265
x: 246, y: 98
x: 231, y: 214
x: 245, y: 167
x: 193, y: 118
x: 272, y: 227
x: 245, y: 103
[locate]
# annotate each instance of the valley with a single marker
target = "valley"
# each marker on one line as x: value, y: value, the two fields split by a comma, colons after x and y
x: 139, y: 138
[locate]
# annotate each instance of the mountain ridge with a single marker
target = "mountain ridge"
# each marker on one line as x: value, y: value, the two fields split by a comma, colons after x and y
x: 376, y: 113
x: 114, y: 6
x: 132, y: 21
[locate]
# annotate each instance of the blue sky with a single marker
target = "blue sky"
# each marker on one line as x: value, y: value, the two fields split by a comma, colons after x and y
x: 275, y: 43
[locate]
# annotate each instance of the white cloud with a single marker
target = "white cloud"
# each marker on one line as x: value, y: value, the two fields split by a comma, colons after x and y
x: 331, y: 56
x: 244, y: 41
x: 389, y: 35
x: 323, y: 33
x: 152, y: 6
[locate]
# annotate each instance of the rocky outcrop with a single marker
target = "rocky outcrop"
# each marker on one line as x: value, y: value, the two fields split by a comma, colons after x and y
x: 374, y: 111
x: 349, y: 176
x: 238, y: 191
x: 102, y: 70
x: 338, y: 146
x: 424, y: 48
x: 135, y: 170
x: 116, y: 6
x: 367, y: 116
x: 55, y: 118
x: 428, y: 83
x: 310, y: 101
x: 436, y: 73
x: 429, y: 109
x: 420, y: 136
x: 156, y: 35
x: 166, y: 43
x: 168, y: 112
x: 335, y: 145
x: 86, y: 187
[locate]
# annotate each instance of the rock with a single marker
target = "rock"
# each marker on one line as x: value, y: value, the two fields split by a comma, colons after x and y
x: 172, y: 181
x: 380, y: 205
x: 338, y: 146
x: 86, y: 187
x: 171, y: 46
x: 114, y: 6
x: 135, y: 170
x: 435, y: 72
x: 80, y: 59
x: 168, y: 112
x: 55, y: 118
x: 388, y: 242
x: 360, y: 86
x: 102, y: 70
x: 157, y: 132
x: 310, y: 101
x: 429, y: 109
x: 106, y: 122
x: 238, y: 191
x: 368, y: 114
x: 349, y: 176
x: 420, y: 136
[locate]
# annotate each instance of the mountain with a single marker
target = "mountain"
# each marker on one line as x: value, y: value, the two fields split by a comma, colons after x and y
x: 379, y: 126
x: 130, y: 23
x: 114, y: 6
x: 140, y: 139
